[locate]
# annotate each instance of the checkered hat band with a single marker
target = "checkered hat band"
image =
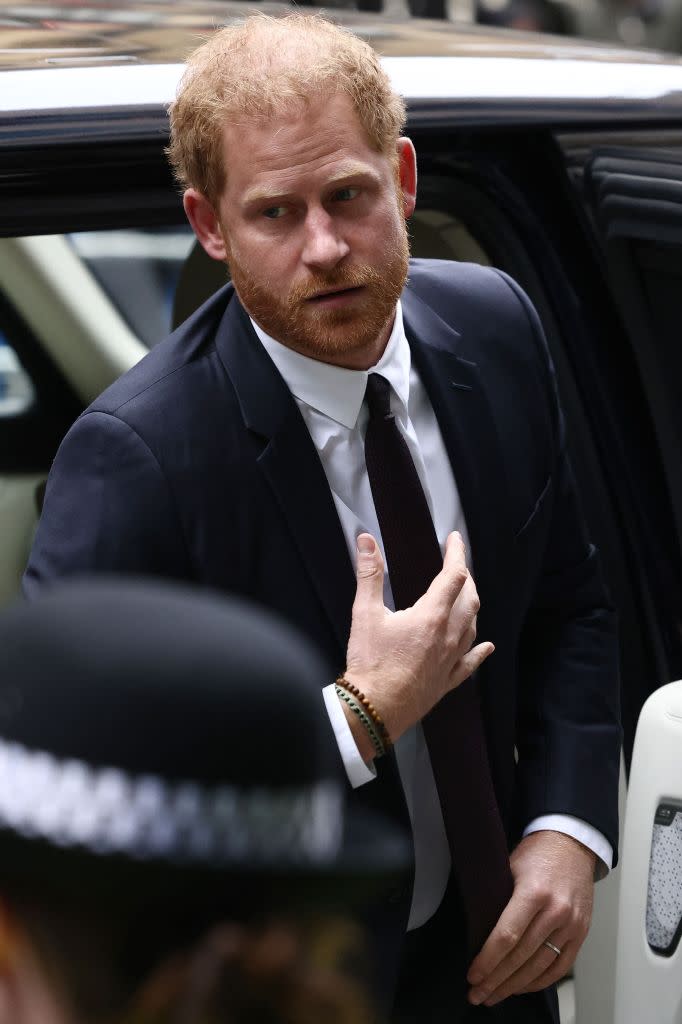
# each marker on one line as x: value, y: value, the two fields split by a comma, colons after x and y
x: 73, y: 804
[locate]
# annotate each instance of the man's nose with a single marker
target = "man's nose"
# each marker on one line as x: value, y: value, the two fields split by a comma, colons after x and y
x: 323, y: 247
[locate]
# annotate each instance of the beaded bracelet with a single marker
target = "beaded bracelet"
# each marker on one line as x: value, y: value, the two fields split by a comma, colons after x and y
x: 364, y: 718
x: 378, y: 721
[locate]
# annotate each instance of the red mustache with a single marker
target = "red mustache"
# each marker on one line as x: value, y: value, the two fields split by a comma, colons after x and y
x: 356, y: 277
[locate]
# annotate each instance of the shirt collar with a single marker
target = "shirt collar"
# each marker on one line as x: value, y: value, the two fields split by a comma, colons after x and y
x: 333, y: 390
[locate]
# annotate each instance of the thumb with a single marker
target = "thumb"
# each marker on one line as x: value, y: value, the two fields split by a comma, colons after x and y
x: 369, y: 570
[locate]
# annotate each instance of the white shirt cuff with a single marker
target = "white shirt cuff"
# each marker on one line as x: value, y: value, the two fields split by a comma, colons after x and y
x: 580, y: 830
x: 357, y: 771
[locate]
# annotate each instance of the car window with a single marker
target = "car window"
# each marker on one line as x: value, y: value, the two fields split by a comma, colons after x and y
x: 439, y: 234
x: 17, y: 394
x: 36, y: 403
x: 138, y: 269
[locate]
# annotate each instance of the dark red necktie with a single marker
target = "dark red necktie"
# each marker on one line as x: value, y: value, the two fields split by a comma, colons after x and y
x: 454, y: 729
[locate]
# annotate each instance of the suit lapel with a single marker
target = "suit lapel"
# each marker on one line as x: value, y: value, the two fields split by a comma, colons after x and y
x: 462, y: 407
x: 291, y: 465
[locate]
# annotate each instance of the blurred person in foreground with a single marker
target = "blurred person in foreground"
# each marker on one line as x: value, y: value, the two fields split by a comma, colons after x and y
x: 341, y: 405
x: 164, y: 859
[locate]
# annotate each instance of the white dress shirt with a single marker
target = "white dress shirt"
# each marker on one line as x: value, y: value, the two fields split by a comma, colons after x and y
x: 331, y: 400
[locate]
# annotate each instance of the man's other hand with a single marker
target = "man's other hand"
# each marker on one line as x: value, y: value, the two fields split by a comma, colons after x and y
x: 552, y: 901
x: 405, y: 661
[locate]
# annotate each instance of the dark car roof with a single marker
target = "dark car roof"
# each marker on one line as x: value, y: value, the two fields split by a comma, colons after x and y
x: 114, y: 59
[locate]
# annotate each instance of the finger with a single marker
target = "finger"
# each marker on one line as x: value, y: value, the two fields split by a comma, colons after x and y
x: 472, y: 660
x: 464, y: 610
x: 466, y: 641
x: 515, y: 919
x: 556, y: 971
x: 463, y: 639
x: 524, y: 951
x: 540, y: 962
x: 447, y: 585
x: 369, y: 570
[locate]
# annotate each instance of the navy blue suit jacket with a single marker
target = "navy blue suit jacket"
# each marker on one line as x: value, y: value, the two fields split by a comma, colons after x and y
x: 196, y: 465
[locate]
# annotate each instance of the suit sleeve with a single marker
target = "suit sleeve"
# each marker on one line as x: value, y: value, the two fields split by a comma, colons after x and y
x: 568, y: 726
x: 108, y: 509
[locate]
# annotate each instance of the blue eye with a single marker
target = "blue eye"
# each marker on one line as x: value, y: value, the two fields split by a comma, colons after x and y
x: 344, y: 194
x: 274, y: 212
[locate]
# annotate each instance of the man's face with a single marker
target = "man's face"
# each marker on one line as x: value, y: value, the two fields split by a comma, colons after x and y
x: 313, y: 224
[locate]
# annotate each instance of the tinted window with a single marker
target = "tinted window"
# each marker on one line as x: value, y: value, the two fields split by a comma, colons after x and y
x: 17, y: 394
x: 138, y: 269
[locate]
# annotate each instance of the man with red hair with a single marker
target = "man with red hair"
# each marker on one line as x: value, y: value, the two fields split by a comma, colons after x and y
x: 337, y: 402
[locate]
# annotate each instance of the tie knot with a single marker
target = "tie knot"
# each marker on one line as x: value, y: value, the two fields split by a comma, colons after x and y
x: 378, y: 395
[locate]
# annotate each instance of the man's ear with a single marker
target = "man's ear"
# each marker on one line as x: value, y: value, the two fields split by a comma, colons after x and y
x: 205, y: 223
x: 407, y: 175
